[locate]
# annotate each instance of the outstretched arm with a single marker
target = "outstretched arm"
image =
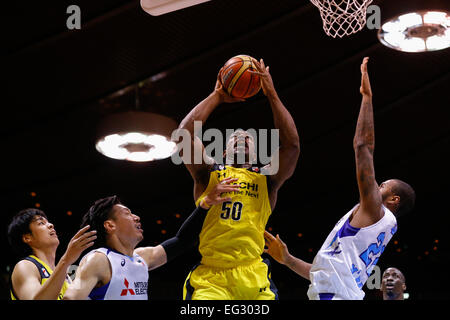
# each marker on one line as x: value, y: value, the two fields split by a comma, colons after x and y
x: 289, y: 150
x: 278, y: 250
x: 187, y: 235
x: 369, y: 210
x: 199, y: 171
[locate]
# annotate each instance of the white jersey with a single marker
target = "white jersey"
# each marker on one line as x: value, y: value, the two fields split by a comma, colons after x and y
x: 347, y: 257
x: 129, y: 277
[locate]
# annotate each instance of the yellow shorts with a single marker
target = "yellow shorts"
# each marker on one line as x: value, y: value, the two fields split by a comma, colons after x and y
x: 248, y: 282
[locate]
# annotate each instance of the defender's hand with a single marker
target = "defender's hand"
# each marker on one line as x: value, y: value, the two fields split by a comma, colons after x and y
x: 215, y: 195
x: 365, y: 88
x: 276, y: 248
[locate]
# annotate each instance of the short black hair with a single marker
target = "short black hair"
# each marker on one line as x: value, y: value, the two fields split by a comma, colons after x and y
x: 399, y: 272
x: 407, y: 197
x: 97, y: 214
x: 20, y: 225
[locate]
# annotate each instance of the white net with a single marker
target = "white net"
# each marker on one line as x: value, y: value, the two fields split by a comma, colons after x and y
x: 342, y: 17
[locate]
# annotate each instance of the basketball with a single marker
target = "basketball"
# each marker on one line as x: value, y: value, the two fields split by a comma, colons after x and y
x: 237, y: 79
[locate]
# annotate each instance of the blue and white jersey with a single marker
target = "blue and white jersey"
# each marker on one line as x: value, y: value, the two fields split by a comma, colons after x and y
x: 347, y: 257
x: 129, y: 277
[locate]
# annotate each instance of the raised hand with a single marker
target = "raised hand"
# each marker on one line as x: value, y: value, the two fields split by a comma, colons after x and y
x: 265, y: 77
x: 365, y: 88
x: 80, y: 242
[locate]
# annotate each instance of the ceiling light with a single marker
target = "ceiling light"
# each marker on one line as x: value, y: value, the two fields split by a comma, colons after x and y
x: 136, y: 136
x: 158, y: 7
x: 417, y: 31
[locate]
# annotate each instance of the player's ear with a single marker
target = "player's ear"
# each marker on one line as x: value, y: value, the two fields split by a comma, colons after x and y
x: 394, y: 200
x: 109, y: 225
x: 26, y: 238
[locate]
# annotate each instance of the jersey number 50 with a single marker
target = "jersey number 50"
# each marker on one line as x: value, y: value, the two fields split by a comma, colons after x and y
x: 233, y: 209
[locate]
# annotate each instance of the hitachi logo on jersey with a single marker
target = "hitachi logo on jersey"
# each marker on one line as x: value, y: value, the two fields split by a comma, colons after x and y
x: 249, y: 186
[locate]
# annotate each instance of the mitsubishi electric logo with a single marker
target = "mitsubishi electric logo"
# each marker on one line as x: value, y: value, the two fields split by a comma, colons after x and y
x: 139, y: 288
x: 125, y: 291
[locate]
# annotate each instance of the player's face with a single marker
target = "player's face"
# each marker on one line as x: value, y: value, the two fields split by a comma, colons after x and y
x: 241, y: 143
x: 393, y: 282
x: 386, y: 189
x: 127, y: 224
x: 43, y: 233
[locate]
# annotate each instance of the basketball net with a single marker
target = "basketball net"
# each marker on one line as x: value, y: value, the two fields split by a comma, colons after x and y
x: 342, y: 17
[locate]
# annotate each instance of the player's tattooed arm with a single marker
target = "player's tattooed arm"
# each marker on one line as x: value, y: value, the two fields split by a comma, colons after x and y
x: 364, y: 145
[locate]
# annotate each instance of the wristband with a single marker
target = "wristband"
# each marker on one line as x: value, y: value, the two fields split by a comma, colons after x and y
x: 204, y: 203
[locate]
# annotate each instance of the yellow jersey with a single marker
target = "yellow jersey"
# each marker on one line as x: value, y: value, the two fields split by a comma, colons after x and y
x: 45, y: 271
x: 233, y: 232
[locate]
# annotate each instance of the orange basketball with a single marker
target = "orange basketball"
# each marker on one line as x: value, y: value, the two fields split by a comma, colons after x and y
x: 236, y: 78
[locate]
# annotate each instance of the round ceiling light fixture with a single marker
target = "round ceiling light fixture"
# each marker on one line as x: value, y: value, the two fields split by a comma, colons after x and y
x: 136, y: 136
x: 417, y: 31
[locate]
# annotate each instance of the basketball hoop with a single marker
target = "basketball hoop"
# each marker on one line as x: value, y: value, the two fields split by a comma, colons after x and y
x: 342, y: 17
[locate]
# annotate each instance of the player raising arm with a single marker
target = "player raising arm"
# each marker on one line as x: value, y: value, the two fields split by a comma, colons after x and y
x: 352, y: 249
x: 232, y: 236
x: 36, y: 277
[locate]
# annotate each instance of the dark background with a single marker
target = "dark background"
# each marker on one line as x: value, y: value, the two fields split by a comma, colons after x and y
x: 59, y: 83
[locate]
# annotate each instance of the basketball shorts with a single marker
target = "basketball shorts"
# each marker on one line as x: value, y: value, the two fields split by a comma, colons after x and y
x: 246, y: 282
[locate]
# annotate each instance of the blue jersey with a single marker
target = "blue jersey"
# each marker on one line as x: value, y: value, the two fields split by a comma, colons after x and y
x: 347, y: 257
x: 129, y: 277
